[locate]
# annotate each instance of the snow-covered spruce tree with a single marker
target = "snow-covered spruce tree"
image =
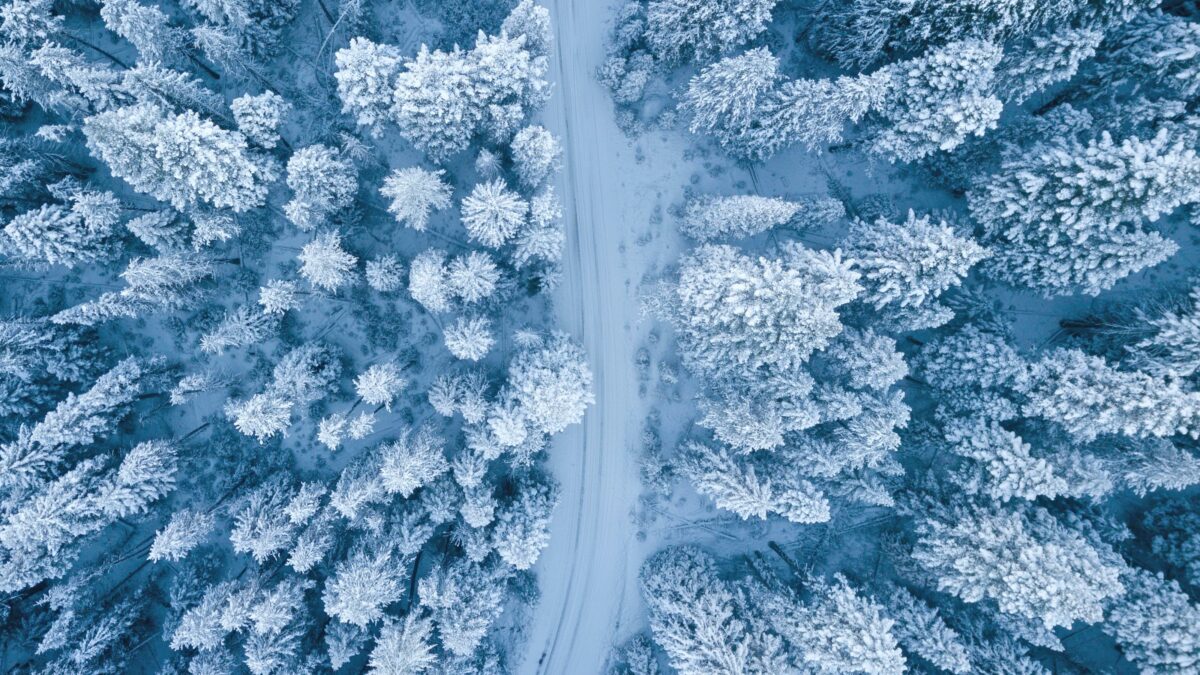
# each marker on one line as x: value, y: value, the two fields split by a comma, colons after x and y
x: 39, y: 538
x: 186, y: 530
x: 835, y: 630
x: 724, y: 100
x: 261, y: 526
x: 707, y: 217
x: 1090, y: 398
x: 752, y: 486
x: 443, y: 99
x: 181, y: 158
x: 693, y: 617
x: 240, y: 328
x: 1154, y: 51
x: 262, y: 416
x: 148, y: 28
x: 325, y: 264
x: 1171, y: 339
x: 937, y: 101
x: 1155, y: 624
x: 906, y: 266
x: 693, y: 30
x: 436, y: 102
x: 412, y: 461
x: 323, y: 183
x: 1024, y: 559
x: 166, y: 280
x: 77, y: 420
x: 415, y: 193
x: 735, y: 315
x: 278, y: 296
x: 814, y: 113
x: 859, y: 33
x: 1046, y: 60
x: 920, y: 630
x: 54, y: 234
x: 404, y: 646
x: 1068, y: 215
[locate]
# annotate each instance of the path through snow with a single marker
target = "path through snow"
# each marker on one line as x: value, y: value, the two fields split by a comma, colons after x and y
x: 588, y: 574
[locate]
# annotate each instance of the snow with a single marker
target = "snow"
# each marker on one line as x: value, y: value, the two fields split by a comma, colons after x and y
x: 589, y: 594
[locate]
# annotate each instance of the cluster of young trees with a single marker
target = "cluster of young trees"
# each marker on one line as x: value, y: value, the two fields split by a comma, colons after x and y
x: 185, y: 187
x: 1015, y: 487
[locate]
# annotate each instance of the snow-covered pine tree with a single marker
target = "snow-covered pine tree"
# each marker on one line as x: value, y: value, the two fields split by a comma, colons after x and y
x: 1068, y: 215
x: 493, y: 214
x: 464, y: 599
x: 1154, y: 52
x: 179, y: 158
x: 325, y: 264
x: 1155, y: 624
x: 148, y: 28
x: 906, y: 266
x: 366, y: 79
x: 380, y: 384
x: 323, y: 182
x: 261, y: 526
x: 415, y: 193
x: 707, y: 217
x: 469, y: 338
x: 937, y: 101
x: 259, y: 117
x: 1031, y: 564
x: 473, y: 277
x: 522, y: 528
x: 694, y: 30
x: 428, y: 283
x: 1046, y: 60
x: 536, y: 154
x: 363, y: 584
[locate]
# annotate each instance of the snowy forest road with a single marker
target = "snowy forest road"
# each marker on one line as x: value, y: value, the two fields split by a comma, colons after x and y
x: 588, y: 572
